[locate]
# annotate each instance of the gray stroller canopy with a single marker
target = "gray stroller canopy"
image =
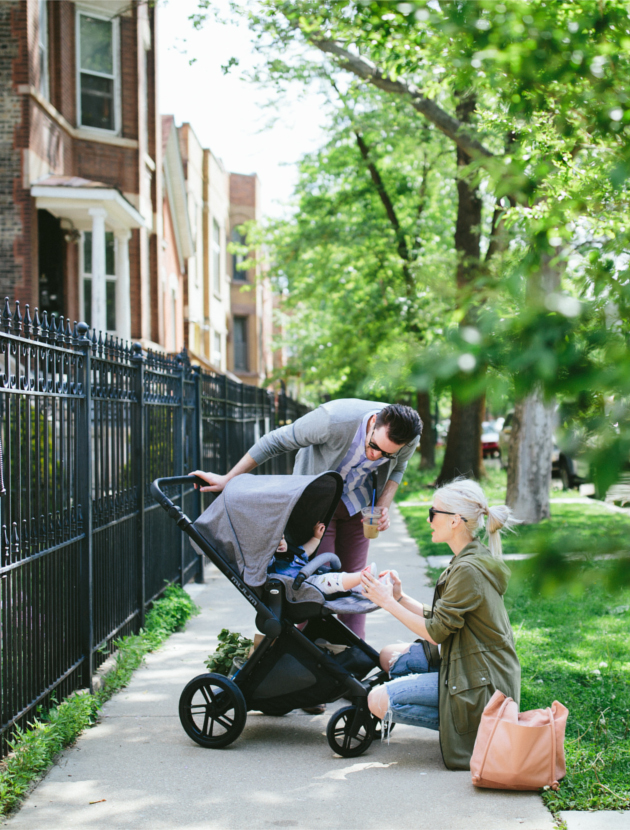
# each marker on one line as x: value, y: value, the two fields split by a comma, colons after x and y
x: 247, y: 521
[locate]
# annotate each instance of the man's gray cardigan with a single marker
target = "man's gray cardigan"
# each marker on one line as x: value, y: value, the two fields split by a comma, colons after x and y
x: 323, y: 437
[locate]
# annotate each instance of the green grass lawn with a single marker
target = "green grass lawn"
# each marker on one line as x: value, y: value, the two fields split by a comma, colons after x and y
x: 417, y: 485
x: 574, y: 646
x: 572, y: 527
x: 577, y: 650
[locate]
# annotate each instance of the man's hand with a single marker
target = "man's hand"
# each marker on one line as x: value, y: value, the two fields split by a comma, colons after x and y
x: 383, y: 522
x: 216, y: 483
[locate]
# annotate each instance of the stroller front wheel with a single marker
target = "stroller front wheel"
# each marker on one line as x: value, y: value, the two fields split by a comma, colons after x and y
x: 212, y: 710
x: 349, y: 732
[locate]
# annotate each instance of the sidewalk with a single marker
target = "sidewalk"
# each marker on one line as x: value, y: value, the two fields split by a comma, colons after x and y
x: 143, y: 772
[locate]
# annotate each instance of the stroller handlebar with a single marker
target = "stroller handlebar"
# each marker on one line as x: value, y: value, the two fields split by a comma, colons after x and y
x: 172, y: 481
x: 317, y: 562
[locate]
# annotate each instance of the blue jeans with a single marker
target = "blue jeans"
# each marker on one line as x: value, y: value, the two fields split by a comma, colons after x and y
x: 413, y: 690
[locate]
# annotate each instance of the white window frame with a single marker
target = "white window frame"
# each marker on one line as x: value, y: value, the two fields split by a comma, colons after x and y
x: 86, y: 12
x: 42, y: 50
x: 217, y: 354
x: 215, y: 247
x: 83, y: 274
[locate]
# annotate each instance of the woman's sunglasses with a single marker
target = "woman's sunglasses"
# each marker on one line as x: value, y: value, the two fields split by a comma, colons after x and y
x: 433, y: 511
x: 376, y: 447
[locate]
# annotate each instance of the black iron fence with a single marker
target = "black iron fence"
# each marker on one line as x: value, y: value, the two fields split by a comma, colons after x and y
x: 86, y: 424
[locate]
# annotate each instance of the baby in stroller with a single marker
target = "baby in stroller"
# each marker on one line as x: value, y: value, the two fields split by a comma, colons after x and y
x: 290, y: 559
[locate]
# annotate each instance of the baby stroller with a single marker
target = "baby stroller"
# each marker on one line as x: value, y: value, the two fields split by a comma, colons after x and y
x: 290, y: 668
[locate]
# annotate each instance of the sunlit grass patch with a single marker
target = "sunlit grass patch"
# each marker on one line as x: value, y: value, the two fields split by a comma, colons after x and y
x: 571, y: 528
x: 573, y: 649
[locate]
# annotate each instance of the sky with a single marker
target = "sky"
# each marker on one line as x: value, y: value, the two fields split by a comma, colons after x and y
x: 226, y: 112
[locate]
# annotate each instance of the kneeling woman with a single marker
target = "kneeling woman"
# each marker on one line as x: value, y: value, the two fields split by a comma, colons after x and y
x: 467, y: 650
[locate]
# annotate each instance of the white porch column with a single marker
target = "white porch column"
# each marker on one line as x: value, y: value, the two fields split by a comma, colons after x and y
x: 99, y: 295
x: 123, y: 299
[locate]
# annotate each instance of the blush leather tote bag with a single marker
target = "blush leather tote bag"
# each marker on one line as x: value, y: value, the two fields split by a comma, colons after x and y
x: 519, y: 751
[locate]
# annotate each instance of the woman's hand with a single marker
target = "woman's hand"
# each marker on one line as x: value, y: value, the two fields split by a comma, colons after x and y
x: 393, y: 575
x: 216, y: 483
x: 380, y: 594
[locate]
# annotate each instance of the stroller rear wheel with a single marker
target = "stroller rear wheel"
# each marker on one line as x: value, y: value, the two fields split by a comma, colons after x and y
x: 212, y: 710
x: 350, y: 732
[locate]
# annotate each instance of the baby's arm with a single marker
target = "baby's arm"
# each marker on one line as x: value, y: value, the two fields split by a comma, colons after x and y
x: 311, y: 546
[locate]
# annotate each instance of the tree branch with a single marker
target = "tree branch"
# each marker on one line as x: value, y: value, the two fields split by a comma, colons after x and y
x: 364, y: 69
x: 401, y: 242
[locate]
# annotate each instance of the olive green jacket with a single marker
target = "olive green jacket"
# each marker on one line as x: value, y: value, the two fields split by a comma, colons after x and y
x: 469, y: 620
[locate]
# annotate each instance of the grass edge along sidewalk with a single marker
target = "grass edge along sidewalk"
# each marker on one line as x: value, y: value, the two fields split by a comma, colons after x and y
x: 33, y: 750
x: 572, y: 641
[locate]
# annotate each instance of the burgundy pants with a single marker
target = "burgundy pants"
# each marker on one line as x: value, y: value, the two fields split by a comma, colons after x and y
x: 344, y: 536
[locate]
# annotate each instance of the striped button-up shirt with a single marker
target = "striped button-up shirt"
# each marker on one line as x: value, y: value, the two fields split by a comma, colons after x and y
x: 355, y: 470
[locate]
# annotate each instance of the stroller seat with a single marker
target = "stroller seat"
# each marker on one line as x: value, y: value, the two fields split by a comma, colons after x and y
x: 299, y: 601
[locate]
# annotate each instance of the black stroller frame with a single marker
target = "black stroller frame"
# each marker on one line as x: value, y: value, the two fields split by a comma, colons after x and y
x: 286, y: 670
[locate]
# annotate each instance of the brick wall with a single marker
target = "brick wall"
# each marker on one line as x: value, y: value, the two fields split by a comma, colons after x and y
x: 15, y: 214
x: 242, y: 190
x: 64, y: 50
x: 129, y: 76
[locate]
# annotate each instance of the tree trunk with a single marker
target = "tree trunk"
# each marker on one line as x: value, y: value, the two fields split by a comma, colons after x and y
x: 531, y: 441
x: 463, y: 455
x: 529, y: 459
x: 427, y: 439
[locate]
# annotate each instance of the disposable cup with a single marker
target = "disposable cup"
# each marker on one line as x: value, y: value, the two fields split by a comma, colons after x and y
x: 370, y: 522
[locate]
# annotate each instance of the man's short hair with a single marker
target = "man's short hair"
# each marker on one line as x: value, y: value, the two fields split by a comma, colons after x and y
x: 403, y: 423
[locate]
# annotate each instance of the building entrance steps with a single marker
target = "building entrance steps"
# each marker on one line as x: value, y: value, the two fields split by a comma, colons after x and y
x: 140, y: 770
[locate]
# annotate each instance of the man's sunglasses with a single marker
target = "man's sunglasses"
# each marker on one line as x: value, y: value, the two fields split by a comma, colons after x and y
x: 433, y: 511
x: 375, y: 446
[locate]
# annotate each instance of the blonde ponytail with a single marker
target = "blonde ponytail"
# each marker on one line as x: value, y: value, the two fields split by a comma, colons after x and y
x: 466, y: 498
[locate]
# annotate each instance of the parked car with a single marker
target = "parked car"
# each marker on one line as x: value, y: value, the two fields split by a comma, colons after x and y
x: 571, y: 471
x: 490, y: 439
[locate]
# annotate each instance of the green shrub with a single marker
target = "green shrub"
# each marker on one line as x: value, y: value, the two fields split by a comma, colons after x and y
x: 231, y: 645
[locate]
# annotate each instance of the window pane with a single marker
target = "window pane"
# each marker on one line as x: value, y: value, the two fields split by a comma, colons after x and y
x: 110, y: 295
x: 97, y: 102
x: 237, y: 259
x: 110, y: 255
x: 96, y: 45
x: 87, y: 302
x: 216, y: 356
x: 240, y: 344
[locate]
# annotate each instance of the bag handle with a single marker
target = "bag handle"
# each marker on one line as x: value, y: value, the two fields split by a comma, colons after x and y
x: 554, y: 783
x: 494, y: 729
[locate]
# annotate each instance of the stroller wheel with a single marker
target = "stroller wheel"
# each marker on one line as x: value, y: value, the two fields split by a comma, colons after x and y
x: 212, y: 710
x: 347, y: 737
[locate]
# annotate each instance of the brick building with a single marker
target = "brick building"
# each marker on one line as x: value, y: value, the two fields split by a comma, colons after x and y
x: 249, y: 353
x: 177, y: 242
x: 207, y: 310
x: 109, y: 213
x: 81, y: 162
